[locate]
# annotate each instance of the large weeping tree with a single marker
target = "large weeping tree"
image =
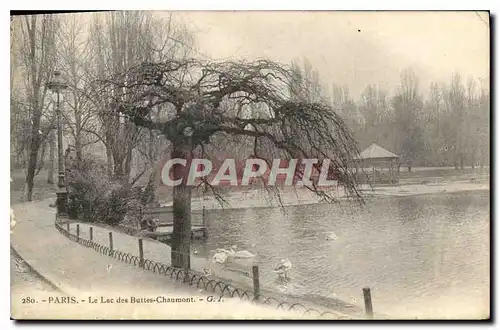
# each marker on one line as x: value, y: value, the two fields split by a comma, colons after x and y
x: 201, y: 102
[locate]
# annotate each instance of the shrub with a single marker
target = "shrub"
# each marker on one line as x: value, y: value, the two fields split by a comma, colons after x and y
x: 94, y: 197
x: 87, y: 183
x: 113, y: 207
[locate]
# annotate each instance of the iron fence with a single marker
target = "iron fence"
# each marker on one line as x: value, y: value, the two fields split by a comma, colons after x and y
x: 192, y: 277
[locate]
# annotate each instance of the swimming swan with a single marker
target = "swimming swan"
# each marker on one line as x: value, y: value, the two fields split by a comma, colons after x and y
x: 220, y: 257
x: 283, y: 267
x: 243, y: 254
x: 331, y: 237
x: 228, y: 252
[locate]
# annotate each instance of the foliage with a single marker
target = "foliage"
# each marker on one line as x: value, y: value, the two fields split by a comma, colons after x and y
x: 87, y: 185
x: 94, y: 197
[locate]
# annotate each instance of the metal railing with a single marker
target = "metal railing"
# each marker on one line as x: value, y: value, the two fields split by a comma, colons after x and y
x: 193, y: 277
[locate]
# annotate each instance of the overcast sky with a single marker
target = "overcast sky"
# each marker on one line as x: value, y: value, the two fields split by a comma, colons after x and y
x: 353, y: 48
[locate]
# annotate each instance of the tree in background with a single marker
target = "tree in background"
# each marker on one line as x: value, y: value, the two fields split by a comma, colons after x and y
x: 378, y: 123
x: 37, y: 59
x: 454, y: 125
x: 407, y: 104
x: 345, y: 106
x: 120, y: 41
x: 84, y: 52
x: 432, y: 121
x: 74, y: 55
x: 482, y: 130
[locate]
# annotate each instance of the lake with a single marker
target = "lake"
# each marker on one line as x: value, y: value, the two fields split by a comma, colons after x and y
x: 424, y: 256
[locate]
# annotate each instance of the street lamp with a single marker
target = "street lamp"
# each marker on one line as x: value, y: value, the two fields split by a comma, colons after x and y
x: 57, y: 85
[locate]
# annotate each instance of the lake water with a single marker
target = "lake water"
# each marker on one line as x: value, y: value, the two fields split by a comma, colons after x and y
x: 422, y: 256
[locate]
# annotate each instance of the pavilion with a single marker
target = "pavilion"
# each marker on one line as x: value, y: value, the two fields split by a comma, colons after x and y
x: 378, y: 166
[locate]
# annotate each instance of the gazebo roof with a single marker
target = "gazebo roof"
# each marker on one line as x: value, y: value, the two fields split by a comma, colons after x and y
x: 376, y: 152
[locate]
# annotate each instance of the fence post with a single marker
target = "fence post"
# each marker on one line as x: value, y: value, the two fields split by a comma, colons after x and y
x: 111, y: 243
x: 141, y: 254
x: 368, y: 302
x: 91, y: 233
x: 77, y: 231
x: 256, y: 284
x: 67, y: 226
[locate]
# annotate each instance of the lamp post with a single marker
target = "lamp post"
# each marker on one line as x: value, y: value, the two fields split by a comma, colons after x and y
x: 57, y: 85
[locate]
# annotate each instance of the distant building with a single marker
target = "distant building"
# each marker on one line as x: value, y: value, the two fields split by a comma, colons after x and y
x: 377, y: 165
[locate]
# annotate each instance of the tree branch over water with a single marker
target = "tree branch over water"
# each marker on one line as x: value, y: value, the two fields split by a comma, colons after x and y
x: 205, y: 103
x: 208, y: 98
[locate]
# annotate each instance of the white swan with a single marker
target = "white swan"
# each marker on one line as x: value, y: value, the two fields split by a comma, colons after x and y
x: 228, y: 252
x: 220, y: 257
x: 243, y: 254
x: 331, y: 237
x: 283, y: 267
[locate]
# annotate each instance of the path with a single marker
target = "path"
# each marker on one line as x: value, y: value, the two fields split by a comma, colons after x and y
x: 153, y: 250
x: 81, y: 272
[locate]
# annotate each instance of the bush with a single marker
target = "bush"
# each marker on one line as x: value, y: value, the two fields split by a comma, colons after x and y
x: 112, y: 208
x: 94, y: 197
x: 87, y: 183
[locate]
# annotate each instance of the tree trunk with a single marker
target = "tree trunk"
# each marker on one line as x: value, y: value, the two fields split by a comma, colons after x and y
x: 41, y: 158
x: 109, y: 161
x: 78, y: 147
x: 118, y: 170
x: 20, y: 159
x: 181, y: 236
x: 31, y: 169
x: 127, y: 166
x: 52, y: 147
